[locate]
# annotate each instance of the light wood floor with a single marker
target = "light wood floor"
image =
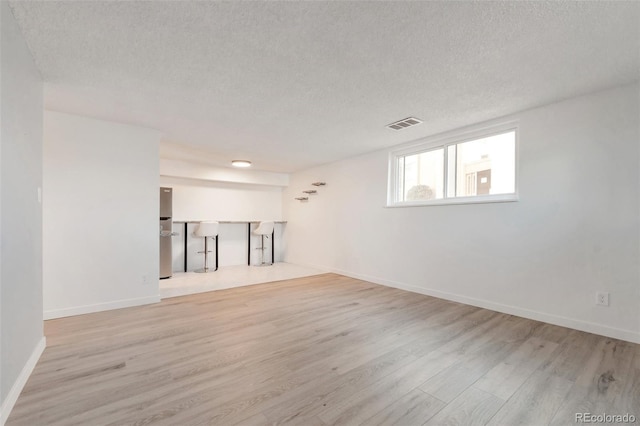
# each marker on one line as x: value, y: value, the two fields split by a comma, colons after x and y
x: 322, y: 350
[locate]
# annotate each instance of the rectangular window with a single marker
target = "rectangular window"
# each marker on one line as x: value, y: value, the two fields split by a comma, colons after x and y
x: 474, y: 167
x: 421, y: 176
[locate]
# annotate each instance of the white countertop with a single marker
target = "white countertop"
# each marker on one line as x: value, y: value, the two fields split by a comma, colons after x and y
x: 226, y: 221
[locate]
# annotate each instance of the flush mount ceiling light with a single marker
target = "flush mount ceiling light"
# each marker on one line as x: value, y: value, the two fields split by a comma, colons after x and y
x: 241, y: 163
x: 403, y: 124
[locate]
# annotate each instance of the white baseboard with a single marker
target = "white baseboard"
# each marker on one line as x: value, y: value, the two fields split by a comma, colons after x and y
x: 99, y: 307
x: 18, y: 385
x: 589, y: 327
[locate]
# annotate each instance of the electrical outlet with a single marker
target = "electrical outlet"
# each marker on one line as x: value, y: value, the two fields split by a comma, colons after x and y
x: 602, y: 298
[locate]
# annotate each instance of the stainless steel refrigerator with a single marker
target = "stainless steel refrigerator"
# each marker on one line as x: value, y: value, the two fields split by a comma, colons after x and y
x: 166, y: 205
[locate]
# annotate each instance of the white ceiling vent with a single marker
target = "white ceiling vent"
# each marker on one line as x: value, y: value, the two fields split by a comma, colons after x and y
x: 403, y: 124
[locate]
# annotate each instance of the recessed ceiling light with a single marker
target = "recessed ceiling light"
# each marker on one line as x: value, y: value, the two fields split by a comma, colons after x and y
x: 241, y: 163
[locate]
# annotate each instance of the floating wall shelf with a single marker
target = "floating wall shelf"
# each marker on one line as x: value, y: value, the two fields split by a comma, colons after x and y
x: 302, y: 198
x: 310, y: 191
x: 318, y: 183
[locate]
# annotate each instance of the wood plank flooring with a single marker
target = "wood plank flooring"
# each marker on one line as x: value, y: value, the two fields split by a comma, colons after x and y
x: 322, y: 350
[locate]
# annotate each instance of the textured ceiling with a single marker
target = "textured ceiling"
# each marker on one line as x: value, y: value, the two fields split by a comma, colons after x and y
x: 294, y: 84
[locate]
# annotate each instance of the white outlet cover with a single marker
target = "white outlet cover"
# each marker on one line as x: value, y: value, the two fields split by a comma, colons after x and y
x: 602, y: 298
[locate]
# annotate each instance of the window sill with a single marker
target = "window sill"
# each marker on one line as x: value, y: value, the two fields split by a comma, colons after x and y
x: 500, y: 198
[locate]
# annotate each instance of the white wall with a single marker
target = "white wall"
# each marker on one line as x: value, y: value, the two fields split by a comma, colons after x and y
x: 202, y: 200
x: 196, y: 200
x: 574, y: 231
x: 101, y: 206
x: 22, y: 339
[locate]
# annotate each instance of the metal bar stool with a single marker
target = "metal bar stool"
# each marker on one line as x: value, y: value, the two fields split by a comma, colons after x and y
x: 208, y: 229
x: 265, y: 230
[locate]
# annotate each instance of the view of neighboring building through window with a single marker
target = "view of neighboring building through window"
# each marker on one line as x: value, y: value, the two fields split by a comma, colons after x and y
x: 485, y: 166
x: 480, y: 167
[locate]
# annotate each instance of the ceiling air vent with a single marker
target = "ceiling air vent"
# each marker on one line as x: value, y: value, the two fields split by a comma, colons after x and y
x: 403, y: 124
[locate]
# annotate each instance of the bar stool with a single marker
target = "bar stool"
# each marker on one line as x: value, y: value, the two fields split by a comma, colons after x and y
x: 207, y: 229
x: 264, y: 229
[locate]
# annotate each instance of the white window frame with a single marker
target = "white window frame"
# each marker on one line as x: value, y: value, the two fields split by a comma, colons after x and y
x: 444, y: 141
